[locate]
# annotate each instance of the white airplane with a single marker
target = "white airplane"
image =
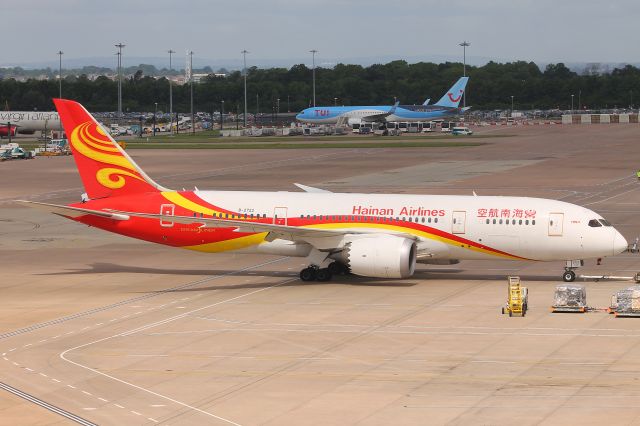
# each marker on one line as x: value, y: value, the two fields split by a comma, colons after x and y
x: 28, y: 122
x: 372, y: 235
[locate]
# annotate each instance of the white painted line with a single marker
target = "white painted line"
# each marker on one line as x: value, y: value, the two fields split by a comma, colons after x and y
x: 55, y: 337
x: 56, y: 380
x: 112, y: 320
x: 5, y: 358
x: 582, y: 363
x: 28, y: 369
x: 70, y: 386
x: 99, y: 324
x: 158, y: 405
x: 87, y: 393
x: 156, y: 324
x: 153, y: 420
x: 138, y: 313
x: 27, y: 345
x: 4, y: 353
x: 102, y: 399
x: 86, y: 327
x: 42, y: 341
x: 136, y: 413
x: 71, y: 332
x: 43, y: 375
x: 495, y: 362
x: 11, y: 350
x: 89, y: 408
x: 118, y: 405
x: 16, y: 364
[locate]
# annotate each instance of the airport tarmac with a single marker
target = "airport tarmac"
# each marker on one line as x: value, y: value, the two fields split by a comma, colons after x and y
x: 118, y: 331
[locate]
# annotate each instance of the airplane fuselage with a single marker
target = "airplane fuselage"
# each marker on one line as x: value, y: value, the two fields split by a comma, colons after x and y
x: 31, y: 121
x: 444, y: 227
x: 406, y: 113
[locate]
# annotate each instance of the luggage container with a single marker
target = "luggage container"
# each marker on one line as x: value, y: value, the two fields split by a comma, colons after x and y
x: 570, y: 298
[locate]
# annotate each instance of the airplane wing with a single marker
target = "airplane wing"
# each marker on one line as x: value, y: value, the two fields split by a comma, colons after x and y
x: 322, y: 239
x: 291, y: 233
x: 381, y: 117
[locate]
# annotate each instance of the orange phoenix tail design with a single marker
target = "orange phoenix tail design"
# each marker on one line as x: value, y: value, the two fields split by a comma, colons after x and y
x: 106, y: 170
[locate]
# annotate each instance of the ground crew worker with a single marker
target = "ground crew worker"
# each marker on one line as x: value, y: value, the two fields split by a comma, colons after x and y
x: 638, y: 174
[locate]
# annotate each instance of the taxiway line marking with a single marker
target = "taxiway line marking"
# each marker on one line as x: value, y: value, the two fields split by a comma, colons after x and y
x: 46, y: 405
x: 63, y: 355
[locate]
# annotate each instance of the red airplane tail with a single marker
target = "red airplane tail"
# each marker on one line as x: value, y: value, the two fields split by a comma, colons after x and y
x: 105, y: 168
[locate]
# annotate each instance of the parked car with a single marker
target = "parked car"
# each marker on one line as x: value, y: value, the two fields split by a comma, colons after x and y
x: 461, y: 131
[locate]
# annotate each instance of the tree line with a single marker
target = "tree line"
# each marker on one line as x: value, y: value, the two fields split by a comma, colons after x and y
x: 491, y: 86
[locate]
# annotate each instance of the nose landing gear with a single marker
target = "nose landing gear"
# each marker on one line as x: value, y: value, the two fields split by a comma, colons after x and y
x: 569, y: 270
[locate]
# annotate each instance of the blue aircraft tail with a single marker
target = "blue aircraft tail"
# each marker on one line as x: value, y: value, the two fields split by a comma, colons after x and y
x: 453, y: 97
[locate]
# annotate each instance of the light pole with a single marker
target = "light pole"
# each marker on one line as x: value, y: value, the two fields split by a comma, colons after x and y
x: 277, y: 108
x: 313, y: 73
x: 170, y: 52
x: 193, y: 123
x: 222, y: 115
x: 571, y: 104
x: 579, y: 103
x: 335, y: 101
x: 244, y: 57
x: 155, y: 113
x: 60, y: 53
x: 464, y: 46
x: 511, y: 106
x: 119, y: 46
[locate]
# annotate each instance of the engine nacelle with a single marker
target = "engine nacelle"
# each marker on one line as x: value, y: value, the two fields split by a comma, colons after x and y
x: 382, y: 256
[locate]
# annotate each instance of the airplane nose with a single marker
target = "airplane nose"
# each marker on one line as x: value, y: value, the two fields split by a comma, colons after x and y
x: 619, y: 243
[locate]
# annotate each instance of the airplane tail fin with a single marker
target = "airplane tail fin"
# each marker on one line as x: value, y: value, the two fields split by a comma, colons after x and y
x: 454, y: 95
x: 105, y: 168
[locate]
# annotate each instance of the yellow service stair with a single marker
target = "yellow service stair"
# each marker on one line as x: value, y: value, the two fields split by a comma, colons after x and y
x: 517, y: 298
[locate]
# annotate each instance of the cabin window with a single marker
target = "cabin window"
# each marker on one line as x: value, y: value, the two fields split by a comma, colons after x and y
x: 500, y: 222
x: 435, y: 220
x: 494, y: 221
x: 594, y: 223
x: 520, y: 222
x: 194, y: 214
x: 526, y: 222
x: 488, y: 220
x: 533, y: 222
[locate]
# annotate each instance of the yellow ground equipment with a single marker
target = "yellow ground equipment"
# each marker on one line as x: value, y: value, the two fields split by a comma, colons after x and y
x: 517, y: 298
x: 122, y: 144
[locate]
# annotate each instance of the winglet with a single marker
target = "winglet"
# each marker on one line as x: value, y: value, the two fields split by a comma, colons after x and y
x: 311, y: 189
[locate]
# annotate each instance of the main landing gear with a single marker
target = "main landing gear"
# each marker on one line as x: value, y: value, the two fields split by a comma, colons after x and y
x: 315, y: 273
x: 569, y: 270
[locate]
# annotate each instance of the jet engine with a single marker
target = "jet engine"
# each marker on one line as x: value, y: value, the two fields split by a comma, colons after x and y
x: 382, y: 256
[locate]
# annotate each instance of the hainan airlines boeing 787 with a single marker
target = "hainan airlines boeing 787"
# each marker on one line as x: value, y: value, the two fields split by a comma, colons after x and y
x: 372, y: 235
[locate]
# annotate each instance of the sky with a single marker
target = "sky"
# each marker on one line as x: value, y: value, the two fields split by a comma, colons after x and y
x: 543, y: 31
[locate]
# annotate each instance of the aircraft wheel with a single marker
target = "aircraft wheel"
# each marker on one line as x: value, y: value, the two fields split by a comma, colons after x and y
x: 323, y: 274
x: 568, y: 276
x: 308, y: 274
x: 337, y: 268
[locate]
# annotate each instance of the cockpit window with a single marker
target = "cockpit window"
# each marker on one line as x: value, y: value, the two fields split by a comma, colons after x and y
x: 604, y: 222
x: 594, y: 223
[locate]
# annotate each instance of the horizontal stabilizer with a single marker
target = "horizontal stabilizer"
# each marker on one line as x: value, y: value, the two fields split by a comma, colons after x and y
x: 72, y: 212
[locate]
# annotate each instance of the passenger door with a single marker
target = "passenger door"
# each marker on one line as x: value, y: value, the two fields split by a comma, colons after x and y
x: 556, y: 223
x: 458, y: 222
x: 167, y: 210
x: 280, y: 216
